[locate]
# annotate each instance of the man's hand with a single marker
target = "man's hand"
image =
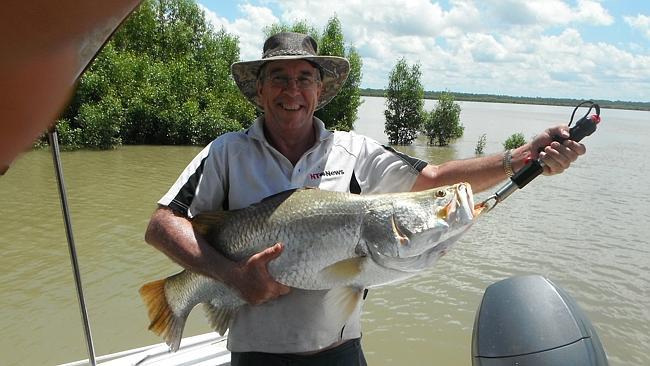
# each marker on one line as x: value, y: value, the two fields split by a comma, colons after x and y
x: 251, y: 277
x: 556, y: 156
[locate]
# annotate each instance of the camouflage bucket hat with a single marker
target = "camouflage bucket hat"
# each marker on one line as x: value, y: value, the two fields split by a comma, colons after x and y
x: 292, y: 46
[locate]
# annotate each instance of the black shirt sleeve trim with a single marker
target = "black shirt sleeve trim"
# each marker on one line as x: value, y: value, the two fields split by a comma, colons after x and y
x: 417, y: 164
x: 185, y: 195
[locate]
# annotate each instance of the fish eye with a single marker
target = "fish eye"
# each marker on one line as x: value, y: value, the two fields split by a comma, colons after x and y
x: 440, y: 193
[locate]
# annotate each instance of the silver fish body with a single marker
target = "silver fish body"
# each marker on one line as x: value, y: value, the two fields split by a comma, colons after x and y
x: 332, y: 240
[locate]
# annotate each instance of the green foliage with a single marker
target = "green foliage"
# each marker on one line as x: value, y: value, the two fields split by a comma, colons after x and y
x: 514, y: 141
x: 404, y: 104
x: 100, y: 123
x: 341, y: 112
x: 70, y: 138
x: 160, y: 80
x: 442, y: 124
x: 480, y: 145
x: 301, y: 26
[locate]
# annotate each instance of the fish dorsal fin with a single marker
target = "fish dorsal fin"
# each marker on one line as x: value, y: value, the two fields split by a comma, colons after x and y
x: 203, y: 221
x: 287, y: 193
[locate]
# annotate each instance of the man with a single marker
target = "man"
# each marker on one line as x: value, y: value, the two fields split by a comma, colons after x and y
x: 287, y: 147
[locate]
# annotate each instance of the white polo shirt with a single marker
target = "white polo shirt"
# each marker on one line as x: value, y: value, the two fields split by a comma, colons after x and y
x: 241, y: 168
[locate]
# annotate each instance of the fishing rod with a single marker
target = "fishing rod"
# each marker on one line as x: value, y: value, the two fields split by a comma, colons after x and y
x: 56, y: 157
x: 584, y: 127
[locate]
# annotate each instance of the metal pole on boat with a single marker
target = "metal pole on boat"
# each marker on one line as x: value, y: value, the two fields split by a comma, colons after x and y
x: 54, y: 143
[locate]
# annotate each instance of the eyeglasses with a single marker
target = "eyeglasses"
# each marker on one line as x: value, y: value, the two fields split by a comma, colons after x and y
x: 302, y: 81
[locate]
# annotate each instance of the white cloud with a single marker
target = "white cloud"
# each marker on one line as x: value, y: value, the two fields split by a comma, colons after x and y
x: 213, y: 18
x: 248, y: 28
x: 407, y: 17
x: 640, y: 22
x: 548, y: 13
x: 593, y: 13
x: 515, y: 47
x: 484, y: 48
x: 562, y: 65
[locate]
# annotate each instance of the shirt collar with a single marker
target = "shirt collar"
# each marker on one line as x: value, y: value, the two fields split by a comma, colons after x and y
x: 256, y: 130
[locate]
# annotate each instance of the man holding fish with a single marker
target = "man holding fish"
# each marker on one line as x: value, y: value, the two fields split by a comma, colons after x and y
x: 281, y: 322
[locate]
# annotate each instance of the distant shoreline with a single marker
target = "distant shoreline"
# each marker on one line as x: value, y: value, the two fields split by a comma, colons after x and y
x: 490, y: 98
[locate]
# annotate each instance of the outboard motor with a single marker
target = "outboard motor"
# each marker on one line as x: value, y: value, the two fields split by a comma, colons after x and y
x: 528, y: 321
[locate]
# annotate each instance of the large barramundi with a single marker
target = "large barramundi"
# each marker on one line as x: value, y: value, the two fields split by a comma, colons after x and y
x: 332, y: 240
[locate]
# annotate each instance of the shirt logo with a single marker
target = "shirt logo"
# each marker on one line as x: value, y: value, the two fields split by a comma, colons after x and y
x: 327, y: 173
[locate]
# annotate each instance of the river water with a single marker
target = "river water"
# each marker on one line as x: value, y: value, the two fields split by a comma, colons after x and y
x: 586, y: 230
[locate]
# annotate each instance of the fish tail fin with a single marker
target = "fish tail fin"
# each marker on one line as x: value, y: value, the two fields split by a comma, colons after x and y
x: 219, y: 317
x: 163, y: 320
x: 340, y: 303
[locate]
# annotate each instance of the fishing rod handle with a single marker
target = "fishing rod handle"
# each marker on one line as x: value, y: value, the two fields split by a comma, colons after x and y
x: 583, y: 128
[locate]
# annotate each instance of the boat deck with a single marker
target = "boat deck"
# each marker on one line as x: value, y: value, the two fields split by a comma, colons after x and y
x: 201, y: 350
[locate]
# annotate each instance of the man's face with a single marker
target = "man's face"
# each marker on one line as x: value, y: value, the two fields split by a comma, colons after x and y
x: 289, y: 91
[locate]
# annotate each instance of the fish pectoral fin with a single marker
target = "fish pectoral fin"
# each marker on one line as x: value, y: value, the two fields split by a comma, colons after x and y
x: 340, y: 303
x: 204, y: 221
x: 343, y: 271
x: 219, y: 317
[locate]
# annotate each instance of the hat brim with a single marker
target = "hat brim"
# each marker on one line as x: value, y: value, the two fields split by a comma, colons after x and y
x: 334, y: 71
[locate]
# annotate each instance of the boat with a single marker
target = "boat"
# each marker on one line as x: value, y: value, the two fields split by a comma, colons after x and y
x: 200, y: 350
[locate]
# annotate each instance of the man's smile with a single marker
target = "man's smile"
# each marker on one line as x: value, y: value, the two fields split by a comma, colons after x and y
x: 290, y: 106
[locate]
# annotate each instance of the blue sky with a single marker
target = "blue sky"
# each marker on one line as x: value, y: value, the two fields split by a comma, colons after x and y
x: 545, y: 48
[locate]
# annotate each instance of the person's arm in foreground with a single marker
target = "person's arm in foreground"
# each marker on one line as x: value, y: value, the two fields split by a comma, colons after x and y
x: 485, y: 172
x: 173, y: 235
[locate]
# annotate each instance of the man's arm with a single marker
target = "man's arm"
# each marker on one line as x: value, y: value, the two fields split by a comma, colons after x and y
x: 485, y: 172
x: 173, y: 234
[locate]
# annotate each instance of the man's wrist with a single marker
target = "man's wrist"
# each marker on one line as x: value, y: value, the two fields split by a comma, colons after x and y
x: 519, y: 157
x: 506, y: 163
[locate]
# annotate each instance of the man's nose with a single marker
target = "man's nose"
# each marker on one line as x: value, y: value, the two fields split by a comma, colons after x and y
x: 292, y: 86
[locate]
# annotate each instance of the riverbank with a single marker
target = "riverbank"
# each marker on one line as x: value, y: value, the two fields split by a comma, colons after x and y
x: 491, y: 98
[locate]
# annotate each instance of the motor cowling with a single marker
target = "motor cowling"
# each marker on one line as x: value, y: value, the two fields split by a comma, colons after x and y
x: 528, y: 320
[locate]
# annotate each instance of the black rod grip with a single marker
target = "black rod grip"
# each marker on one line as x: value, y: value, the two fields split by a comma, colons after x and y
x: 584, y: 127
x: 527, y: 173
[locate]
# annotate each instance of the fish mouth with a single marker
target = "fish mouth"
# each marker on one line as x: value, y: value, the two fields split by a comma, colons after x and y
x: 466, y: 198
x: 479, y: 208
